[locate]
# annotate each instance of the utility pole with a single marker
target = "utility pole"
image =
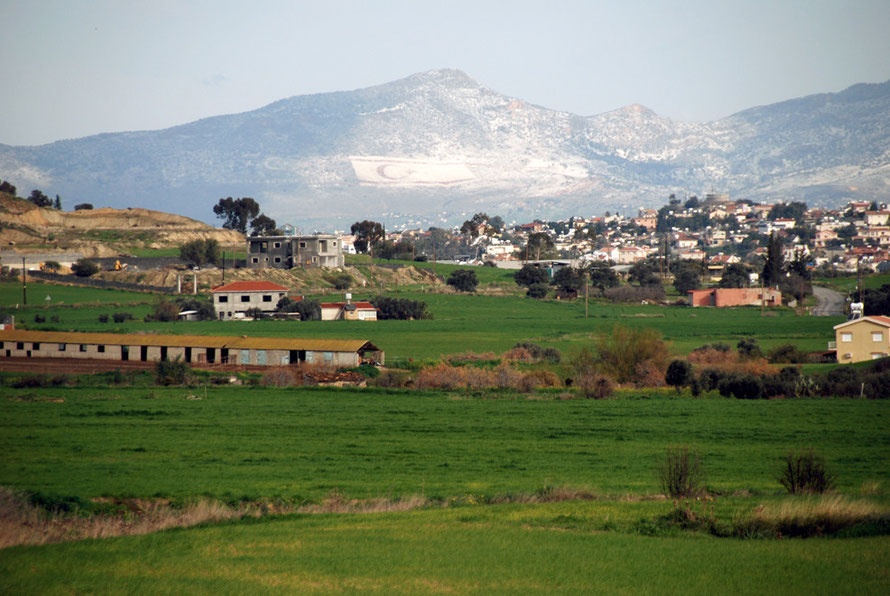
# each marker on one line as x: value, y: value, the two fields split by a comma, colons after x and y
x: 762, y: 296
x: 586, y: 292
x: 224, y: 267
x: 24, y: 283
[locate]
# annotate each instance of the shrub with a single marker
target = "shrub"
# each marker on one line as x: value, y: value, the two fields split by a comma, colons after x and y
x: 537, y: 291
x: 507, y: 377
x: 164, y: 311
x: 103, y: 318
x: 620, y: 353
x: 463, y: 280
x: 551, y: 355
x: 531, y: 275
x: 680, y: 473
x: 120, y: 317
x: 748, y: 348
x: 84, y: 268
x: 392, y: 380
x: 787, y: 353
x: 597, y: 386
x: 649, y: 373
x: 52, y: 265
x: 539, y: 378
x: 254, y: 313
x: 342, y: 282
x: 805, y: 473
x: 310, y: 310
x: 518, y: 354
x: 741, y: 386
x: 402, y: 309
x: 171, y: 372
x: 38, y: 318
x: 679, y: 374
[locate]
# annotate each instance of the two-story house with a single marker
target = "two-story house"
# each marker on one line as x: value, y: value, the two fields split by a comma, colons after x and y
x: 232, y: 300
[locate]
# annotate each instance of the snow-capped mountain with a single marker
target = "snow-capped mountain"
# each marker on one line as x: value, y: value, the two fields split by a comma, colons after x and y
x: 436, y: 146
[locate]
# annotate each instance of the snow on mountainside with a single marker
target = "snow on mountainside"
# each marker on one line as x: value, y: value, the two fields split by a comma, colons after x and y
x: 437, y: 145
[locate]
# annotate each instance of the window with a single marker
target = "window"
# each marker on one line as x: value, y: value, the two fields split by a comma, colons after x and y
x: 877, y: 355
x: 245, y: 298
x: 20, y: 345
x: 875, y: 336
x: 276, y: 245
x: 83, y: 347
x: 334, y: 243
x: 267, y: 297
x: 328, y: 356
x: 62, y: 347
x: 35, y: 346
x: 254, y: 260
x: 302, y: 245
x: 101, y: 349
x: 222, y: 298
x: 277, y: 259
x: 846, y: 337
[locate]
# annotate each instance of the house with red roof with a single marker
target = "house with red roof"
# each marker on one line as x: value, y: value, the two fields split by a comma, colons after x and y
x: 348, y: 311
x: 232, y: 300
x: 866, y: 338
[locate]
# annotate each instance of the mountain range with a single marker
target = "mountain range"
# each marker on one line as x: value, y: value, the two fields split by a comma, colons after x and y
x: 437, y: 146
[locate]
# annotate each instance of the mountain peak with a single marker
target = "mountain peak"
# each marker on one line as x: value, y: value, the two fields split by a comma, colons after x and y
x: 447, y: 77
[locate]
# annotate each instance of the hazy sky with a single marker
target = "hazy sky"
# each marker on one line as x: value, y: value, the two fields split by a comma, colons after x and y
x: 72, y: 68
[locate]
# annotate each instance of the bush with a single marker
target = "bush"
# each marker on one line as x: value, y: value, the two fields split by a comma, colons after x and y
x: 537, y: 291
x: 551, y: 355
x: 787, y: 353
x: 103, y: 318
x: 52, y: 265
x: 342, y: 282
x: 531, y: 275
x: 621, y: 353
x: 84, y: 268
x: 680, y: 473
x: 83, y: 206
x: 279, y: 376
x: 200, y: 251
x: 741, y: 386
x: 310, y: 310
x: 805, y: 473
x: 38, y: 318
x: 164, y: 311
x: 679, y: 374
x: 171, y: 372
x: 463, y: 280
x: 538, y: 378
x: 120, y: 317
x: 597, y: 386
x: 400, y: 309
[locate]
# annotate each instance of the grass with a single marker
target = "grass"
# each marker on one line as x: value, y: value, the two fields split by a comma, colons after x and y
x: 563, y: 547
x: 301, y: 444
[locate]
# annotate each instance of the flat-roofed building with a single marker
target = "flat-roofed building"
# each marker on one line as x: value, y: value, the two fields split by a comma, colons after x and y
x: 287, y: 252
x: 232, y: 300
x: 196, y: 349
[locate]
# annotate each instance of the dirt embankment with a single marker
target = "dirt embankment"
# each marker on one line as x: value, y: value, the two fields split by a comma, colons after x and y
x: 364, y: 280
x: 100, y: 232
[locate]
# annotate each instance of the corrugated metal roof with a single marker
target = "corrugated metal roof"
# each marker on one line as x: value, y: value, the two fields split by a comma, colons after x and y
x: 188, y: 341
x: 250, y: 286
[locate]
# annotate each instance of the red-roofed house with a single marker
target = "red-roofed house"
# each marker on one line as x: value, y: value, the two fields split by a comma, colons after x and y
x: 231, y: 300
x: 867, y: 338
x: 348, y: 311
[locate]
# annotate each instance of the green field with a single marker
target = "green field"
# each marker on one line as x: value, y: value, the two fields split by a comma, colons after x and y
x: 477, y: 322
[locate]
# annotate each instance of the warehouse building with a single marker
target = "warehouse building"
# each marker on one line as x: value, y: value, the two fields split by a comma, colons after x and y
x: 196, y: 349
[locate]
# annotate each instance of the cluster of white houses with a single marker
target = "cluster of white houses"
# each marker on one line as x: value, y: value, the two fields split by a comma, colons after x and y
x: 197, y: 349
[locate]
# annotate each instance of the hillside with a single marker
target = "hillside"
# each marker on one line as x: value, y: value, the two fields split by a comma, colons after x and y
x: 99, y: 232
x: 438, y: 146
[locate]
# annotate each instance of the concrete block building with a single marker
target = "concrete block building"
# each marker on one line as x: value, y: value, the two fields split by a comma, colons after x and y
x: 867, y: 338
x: 287, y: 252
x: 232, y: 300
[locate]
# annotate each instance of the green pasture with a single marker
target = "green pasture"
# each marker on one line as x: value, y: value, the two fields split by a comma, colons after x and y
x: 473, y: 322
x: 849, y: 283
x: 545, y: 549
x: 301, y: 443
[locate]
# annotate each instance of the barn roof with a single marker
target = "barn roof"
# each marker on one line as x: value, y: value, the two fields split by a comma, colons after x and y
x: 189, y: 341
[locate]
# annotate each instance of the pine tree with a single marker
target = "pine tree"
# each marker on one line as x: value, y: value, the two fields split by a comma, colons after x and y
x: 775, y: 261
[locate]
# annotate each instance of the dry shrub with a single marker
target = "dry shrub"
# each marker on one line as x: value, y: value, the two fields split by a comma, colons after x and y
x: 648, y: 374
x: 539, y: 378
x: 728, y: 361
x: 519, y: 354
x: 280, y: 376
x: 508, y: 377
x: 620, y: 353
x: 392, y: 379
x: 812, y: 517
x: 596, y: 386
x: 680, y: 473
x: 805, y: 473
x: 443, y: 376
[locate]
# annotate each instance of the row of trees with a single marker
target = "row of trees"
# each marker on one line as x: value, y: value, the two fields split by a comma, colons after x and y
x: 237, y: 214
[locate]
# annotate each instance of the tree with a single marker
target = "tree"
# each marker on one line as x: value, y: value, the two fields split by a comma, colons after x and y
x: 7, y: 188
x: 775, y: 261
x: 57, y: 204
x: 793, y: 211
x: 463, y: 280
x: 83, y: 206
x: 687, y: 277
x: 529, y: 275
x: 237, y: 212
x: 310, y: 310
x: 643, y: 273
x: 367, y: 233
x: 263, y: 225
x: 539, y: 244
x: 40, y: 199
x: 568, y: 280
x: 537, y: 291
x: 735, y: 276
x: 602, y: 276
x: 200, y: 251
x: 203, y: 307
x: 475, y: 226
x: 84, y: 268
x: 679, y: 374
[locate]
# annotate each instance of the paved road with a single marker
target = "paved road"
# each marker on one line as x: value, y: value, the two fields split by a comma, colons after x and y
x: 828, y: 302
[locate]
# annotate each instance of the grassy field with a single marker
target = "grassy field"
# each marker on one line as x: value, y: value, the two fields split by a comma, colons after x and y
x: 480, y: 323
x: 302, y: 443
x: 504, y: 549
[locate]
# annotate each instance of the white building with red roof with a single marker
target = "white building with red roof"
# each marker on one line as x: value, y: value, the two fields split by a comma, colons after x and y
x: 348, y: 311
x: 232, y: 300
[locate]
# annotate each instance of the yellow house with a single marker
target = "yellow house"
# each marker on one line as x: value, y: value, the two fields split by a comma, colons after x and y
x: 867, y: 338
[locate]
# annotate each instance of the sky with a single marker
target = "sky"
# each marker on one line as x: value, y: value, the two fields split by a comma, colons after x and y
x: 74, y: 68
